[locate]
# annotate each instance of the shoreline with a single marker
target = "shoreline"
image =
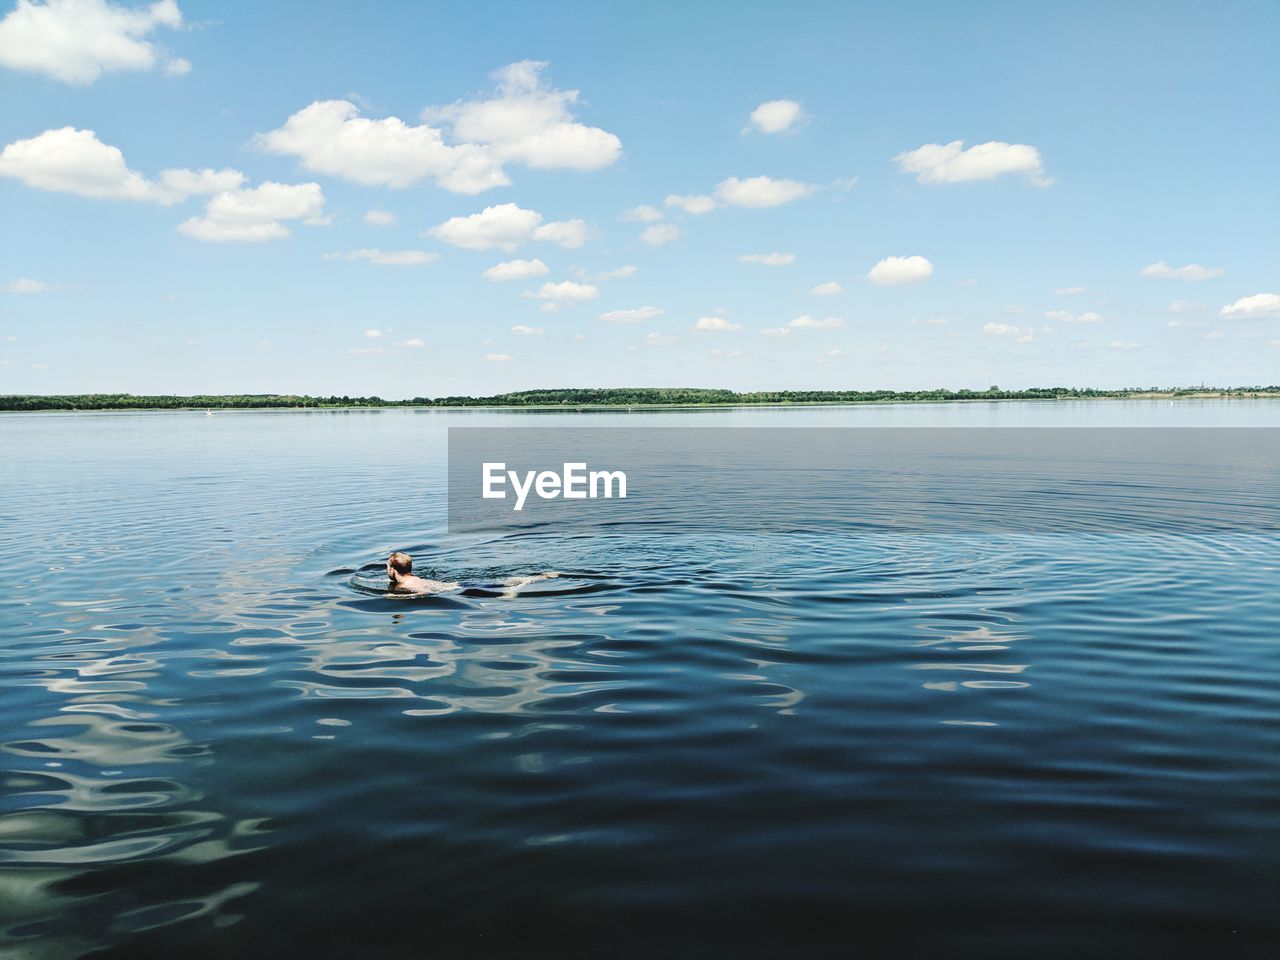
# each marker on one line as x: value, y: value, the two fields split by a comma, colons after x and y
x: 608, y: 406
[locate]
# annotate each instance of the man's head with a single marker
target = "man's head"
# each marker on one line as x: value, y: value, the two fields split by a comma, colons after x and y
x: 399, y: 565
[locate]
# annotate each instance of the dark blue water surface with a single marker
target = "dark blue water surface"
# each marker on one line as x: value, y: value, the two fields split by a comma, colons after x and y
x: 1062, y: 742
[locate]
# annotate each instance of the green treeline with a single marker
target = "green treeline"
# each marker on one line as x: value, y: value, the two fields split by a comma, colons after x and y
x: 609, y: 397
x: 128, y: 401
x: 642, y: 396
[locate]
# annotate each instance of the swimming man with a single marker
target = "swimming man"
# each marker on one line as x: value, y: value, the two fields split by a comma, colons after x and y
x: 400, y: 573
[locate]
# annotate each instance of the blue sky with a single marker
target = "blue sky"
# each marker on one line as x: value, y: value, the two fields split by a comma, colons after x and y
x: 1115, y: 225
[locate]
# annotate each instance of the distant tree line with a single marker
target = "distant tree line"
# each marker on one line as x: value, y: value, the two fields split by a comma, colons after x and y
x: 601, y: 397
x: 128, y: 401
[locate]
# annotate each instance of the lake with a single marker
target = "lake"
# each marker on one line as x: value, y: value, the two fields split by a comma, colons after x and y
x: 1055, y: 741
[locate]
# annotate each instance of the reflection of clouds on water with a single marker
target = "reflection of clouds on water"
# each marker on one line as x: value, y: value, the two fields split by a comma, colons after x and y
x: 104, y: 742
x: 979, y: 638
x: 511, y: 654
x: 97, y: 786
x: 775, y: 695
x: 985, y: 638
x: 496, y: 670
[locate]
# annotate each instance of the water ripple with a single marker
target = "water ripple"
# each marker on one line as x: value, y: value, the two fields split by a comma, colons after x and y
x: 208, y: 732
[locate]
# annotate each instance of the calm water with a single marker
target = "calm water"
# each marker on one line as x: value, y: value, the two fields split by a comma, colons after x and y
x: 1059, y: 744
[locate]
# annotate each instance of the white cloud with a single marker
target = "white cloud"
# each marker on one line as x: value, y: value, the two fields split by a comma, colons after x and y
x: 331, y: 137
x: 76, y: 41
x: 563, y: 233
x: 659, y: 234
x: 1258, y: 305
x: 379, y: 218
x: 621, y: 273
x: 1069, y: 291
x: 1123, y: 345
x: 1179, y: 322
x: 178, y: 185
x: 497, y: 357
x: 529, y: 122
x: 716, y: 325
x: 505, y: 227
x: 27, y: 285
x: 1214, y: 335
x: 1065, y: 316
x: 1186, y: 306
x: 937, y: 321
x: 896, y: 270
x: 806, y: 321
x: 525, y: 122
x: 660, y: 339
x: 565, y: 292
x: 637, y: 315
x: 1192, y: 271
x: 413, y: 343
x: 761, y: 191
x: 775, y: 116
x: 642, y: 214
x: 515, y: 270
x: 373, y: 334
x: 364, y: 351
x: 777, y: 332
x: 1007, y: 330
x: 68, y: 160
x: 768, y: 259
x: 177, y: 67
x: 828, y: 289
x: 692, y: 203
x: 521, y: 330
x: 727, y: 354
x: 254, y: 215
x: 549, y: 307
x: 951, y: 163
x: 391, y: 258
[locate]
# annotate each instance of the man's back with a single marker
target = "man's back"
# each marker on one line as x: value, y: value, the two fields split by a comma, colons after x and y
x: 408, y: 583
